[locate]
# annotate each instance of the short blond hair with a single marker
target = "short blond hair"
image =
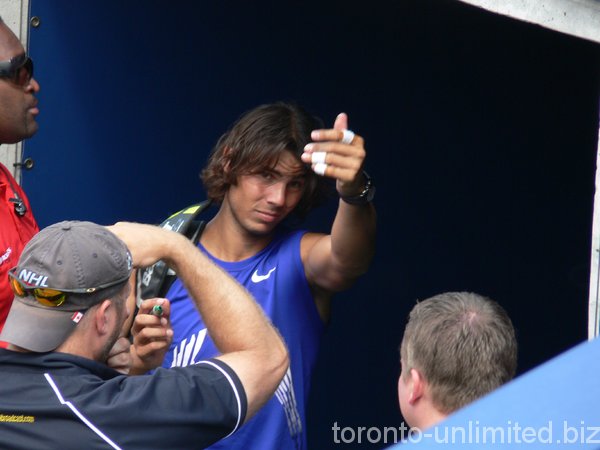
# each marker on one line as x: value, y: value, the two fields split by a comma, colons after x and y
x: 463, y: 344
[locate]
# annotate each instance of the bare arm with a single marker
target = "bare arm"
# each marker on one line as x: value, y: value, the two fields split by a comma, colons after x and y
x: 248, y: 342
x: 332, y: 262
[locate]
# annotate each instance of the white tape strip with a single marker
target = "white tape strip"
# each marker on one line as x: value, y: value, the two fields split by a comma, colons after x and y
x: 318, y: 157
x: 319, y: 168
x: 348, y: 137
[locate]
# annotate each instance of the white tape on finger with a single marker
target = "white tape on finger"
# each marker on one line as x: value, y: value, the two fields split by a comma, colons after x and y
x: 319, y: 168
x: 318, y: 157
x: 348, y: 137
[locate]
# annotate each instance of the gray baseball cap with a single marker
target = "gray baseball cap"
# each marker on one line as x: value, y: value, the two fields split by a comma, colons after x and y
x: 82, y: 260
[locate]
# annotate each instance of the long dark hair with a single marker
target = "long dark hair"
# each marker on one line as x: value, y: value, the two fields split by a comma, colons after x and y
x: 255, y: 142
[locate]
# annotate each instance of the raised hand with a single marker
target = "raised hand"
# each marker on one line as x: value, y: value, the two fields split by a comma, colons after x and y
x: 338, y: 153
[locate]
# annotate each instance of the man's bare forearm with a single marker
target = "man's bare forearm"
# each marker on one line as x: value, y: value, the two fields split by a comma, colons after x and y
x: 353, y: 237
x: 234, y: 319
x: 240, y: 330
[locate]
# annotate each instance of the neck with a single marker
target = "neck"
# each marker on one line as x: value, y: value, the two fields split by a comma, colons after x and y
x: 430, y: 417
x: 226, y: 240
x: 71, y: 347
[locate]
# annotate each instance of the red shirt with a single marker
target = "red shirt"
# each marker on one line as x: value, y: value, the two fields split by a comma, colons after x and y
x: 15, y: 232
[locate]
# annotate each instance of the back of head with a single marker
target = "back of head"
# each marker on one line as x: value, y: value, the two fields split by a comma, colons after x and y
x: 66, y: 269
x: 464, y: 346
x: 255, y: 143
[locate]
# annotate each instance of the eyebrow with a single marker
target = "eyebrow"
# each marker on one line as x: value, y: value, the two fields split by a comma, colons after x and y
x: 299, y: 173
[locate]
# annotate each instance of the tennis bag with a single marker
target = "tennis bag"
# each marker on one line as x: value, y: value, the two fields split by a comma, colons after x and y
x: 155, y: 281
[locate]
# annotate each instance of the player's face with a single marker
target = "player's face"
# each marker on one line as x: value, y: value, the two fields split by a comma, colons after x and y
x: 260, y: 201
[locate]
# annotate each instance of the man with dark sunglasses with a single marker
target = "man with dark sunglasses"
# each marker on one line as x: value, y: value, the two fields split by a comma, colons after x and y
x: 71, y: 283
x: 18, y: 110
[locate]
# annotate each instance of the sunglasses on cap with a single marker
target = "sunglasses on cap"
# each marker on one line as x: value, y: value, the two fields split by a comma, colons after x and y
x: 19, y: 69
x: 48, y: 296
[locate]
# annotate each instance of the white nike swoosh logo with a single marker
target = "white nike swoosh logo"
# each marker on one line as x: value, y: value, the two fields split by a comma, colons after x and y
x: 256, y: 278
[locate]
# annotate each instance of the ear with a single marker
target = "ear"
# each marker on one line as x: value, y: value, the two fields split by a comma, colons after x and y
x: 101, y: 317
x: 417, y: 386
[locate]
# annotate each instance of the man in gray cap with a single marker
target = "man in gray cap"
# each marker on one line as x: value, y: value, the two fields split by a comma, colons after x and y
x: 70, y: 287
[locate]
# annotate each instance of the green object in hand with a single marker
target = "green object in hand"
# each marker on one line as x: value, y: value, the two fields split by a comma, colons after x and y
x: 157, y: 310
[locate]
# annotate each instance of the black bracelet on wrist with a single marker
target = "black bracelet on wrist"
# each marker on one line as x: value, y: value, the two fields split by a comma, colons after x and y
x: 367, y: 194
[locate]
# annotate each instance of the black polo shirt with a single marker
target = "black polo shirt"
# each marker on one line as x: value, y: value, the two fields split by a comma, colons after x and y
x: 61, y: 401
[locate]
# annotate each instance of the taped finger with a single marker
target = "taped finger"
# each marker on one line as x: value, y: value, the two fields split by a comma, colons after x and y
x: 347, y: 137
x: 318, y: 157
x: 319, y: 168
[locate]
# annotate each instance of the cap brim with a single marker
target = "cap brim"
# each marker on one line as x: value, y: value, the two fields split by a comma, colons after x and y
x: 36, y: 328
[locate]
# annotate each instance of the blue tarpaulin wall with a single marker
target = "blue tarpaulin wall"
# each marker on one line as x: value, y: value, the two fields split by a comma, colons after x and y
x: 481, y: 136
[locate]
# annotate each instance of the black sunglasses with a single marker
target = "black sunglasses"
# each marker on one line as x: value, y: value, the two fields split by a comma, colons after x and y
x: 19, y: 69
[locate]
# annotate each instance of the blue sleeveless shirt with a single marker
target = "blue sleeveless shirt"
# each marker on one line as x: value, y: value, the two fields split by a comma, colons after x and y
x: 275, y: 277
